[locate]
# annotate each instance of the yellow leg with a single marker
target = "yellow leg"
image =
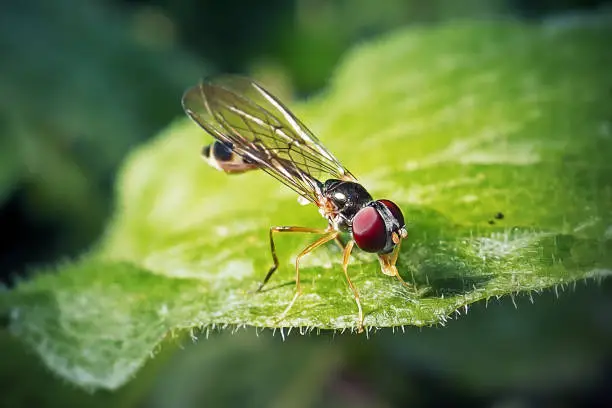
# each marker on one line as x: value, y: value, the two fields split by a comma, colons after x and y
x: 329, y: 235
x: 387, y: 264
x: 345, y: 260
x: 274, y: 267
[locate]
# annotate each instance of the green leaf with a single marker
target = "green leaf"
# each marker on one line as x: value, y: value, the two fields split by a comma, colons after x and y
x: 456, y: 124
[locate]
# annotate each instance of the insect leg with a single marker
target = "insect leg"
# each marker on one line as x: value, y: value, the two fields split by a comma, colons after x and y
x: 274, y: 267
x: 329, y: 235
x: 394, y: 260
x: 388, y: 261
x: 345, y: 261
x: 338, y: 241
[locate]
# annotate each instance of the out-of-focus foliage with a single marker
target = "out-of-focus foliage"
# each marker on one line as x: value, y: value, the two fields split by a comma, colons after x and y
x: 27, y: 383
x: 304, y: 38
x: 495, y: 117
x: 80, y: 87
x: 324, y: 29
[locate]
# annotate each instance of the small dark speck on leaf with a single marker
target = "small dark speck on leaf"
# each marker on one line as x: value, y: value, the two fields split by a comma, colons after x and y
x: 499, y: 216
x: 491, y: 222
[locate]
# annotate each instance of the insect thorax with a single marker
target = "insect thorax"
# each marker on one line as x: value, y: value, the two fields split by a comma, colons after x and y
x: 343, y: 200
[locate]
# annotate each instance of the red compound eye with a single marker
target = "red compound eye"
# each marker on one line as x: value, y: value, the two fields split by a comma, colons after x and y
x: 369, y: 230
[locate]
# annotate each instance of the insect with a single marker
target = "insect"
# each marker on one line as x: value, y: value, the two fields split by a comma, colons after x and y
x: 253, y: 124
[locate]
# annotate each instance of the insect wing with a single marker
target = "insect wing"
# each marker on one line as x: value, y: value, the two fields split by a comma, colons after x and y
x: 238, y: 111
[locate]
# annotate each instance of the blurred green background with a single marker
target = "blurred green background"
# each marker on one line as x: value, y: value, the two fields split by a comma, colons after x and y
x: 82, y: 83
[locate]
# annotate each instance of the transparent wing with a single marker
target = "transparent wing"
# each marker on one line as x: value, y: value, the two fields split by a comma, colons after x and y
x: 239, y: 111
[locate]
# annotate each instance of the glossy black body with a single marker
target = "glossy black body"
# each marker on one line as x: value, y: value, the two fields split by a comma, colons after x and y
x: 348, y: 198
x: 223, y: 152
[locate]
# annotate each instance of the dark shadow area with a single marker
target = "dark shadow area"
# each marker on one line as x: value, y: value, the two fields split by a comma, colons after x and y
x: 25, y: 241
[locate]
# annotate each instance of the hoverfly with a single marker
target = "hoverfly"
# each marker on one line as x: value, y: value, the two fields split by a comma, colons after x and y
x: 253, y: 124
